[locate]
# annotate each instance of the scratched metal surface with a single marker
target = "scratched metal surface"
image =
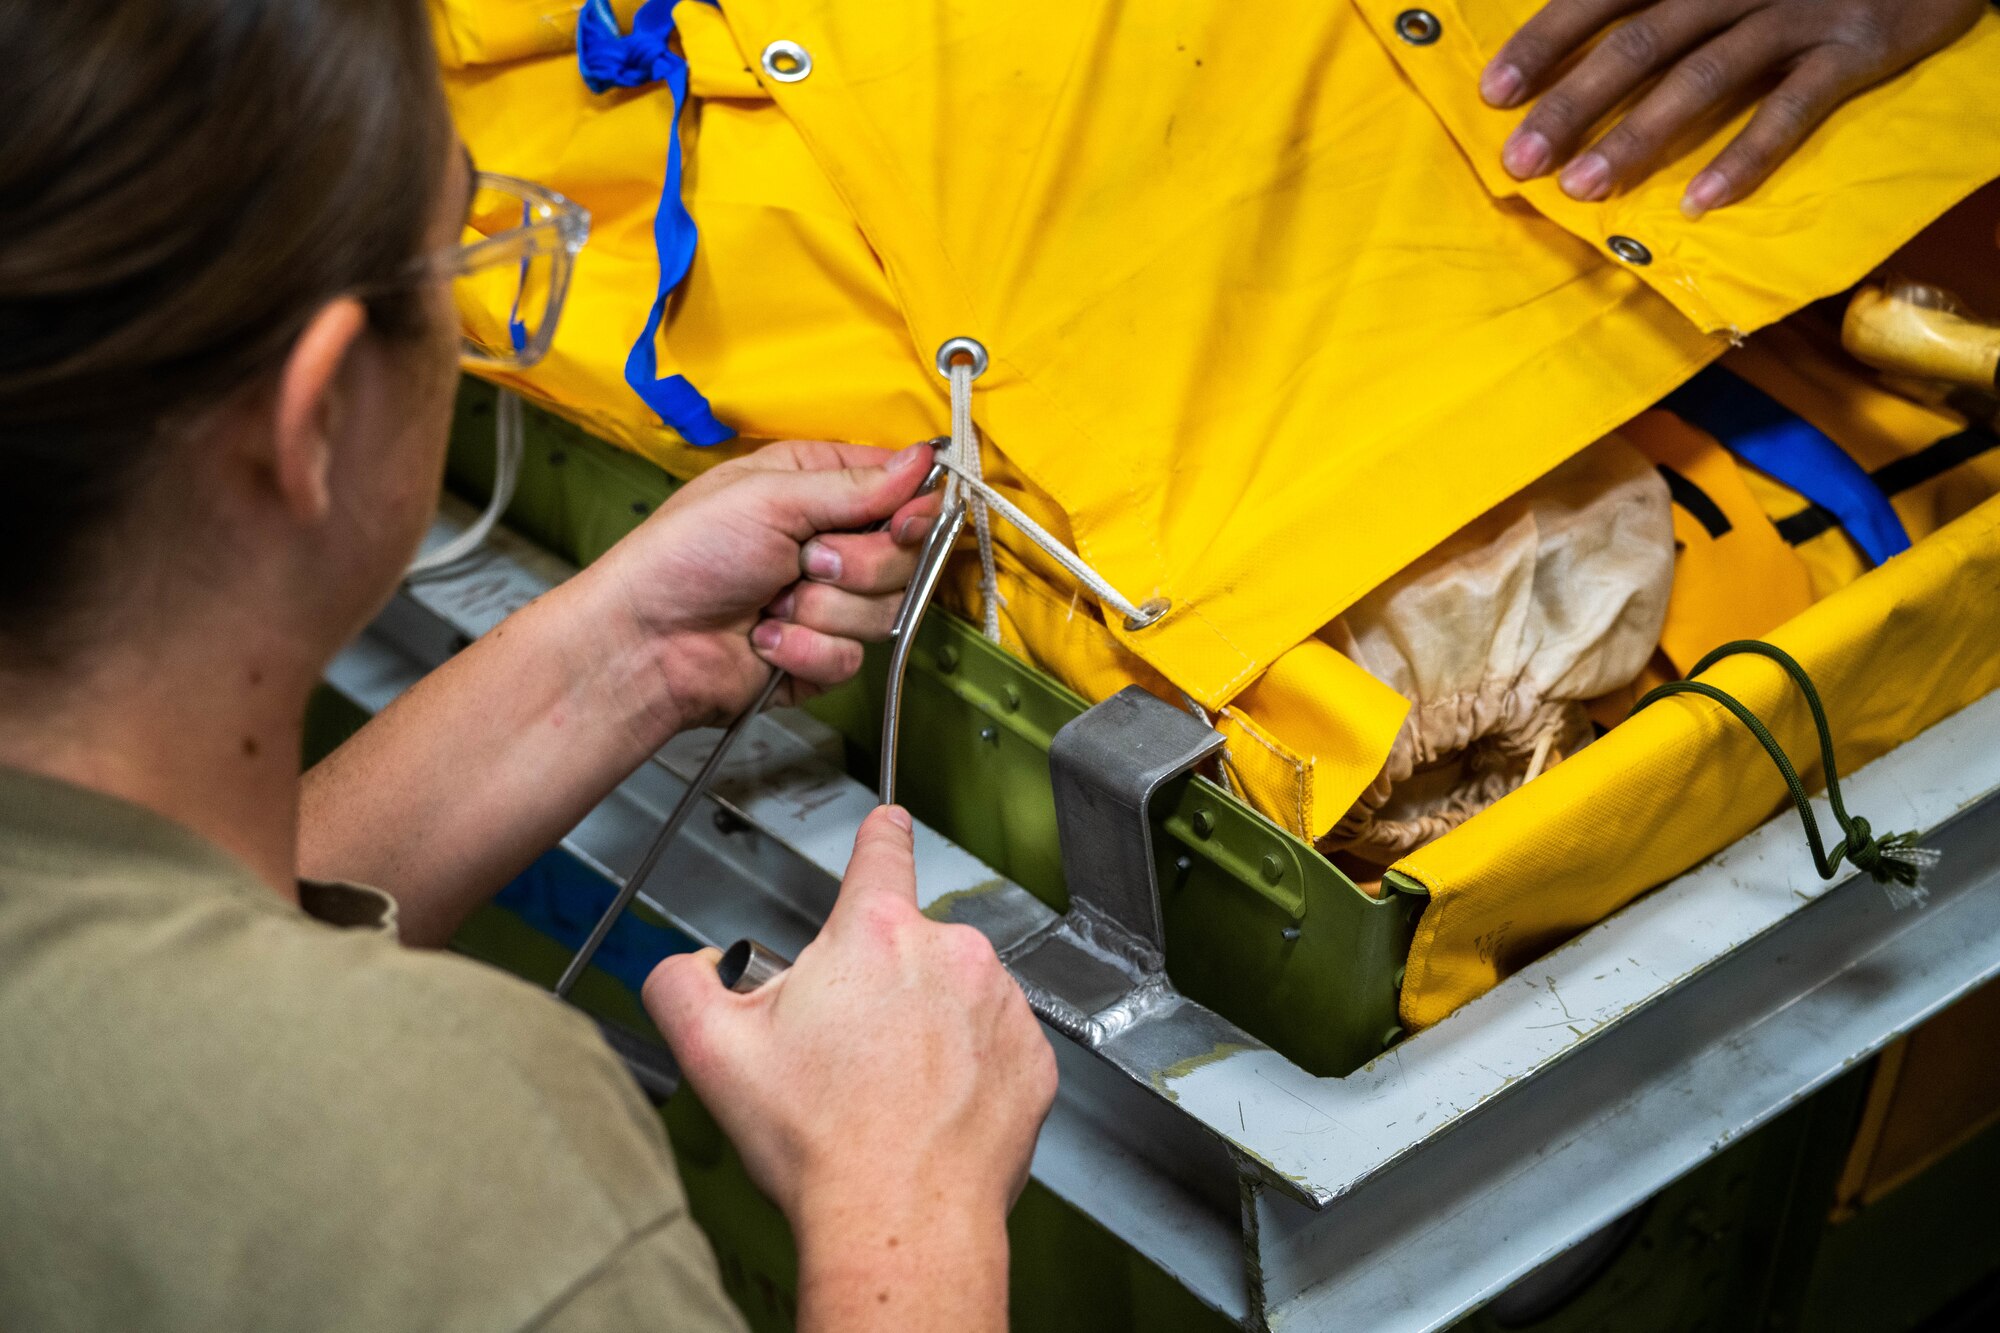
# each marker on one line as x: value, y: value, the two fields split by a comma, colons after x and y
x: 1815, y: 979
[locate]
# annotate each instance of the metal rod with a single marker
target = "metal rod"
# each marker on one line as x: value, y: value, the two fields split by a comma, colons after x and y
x: 903, y: 638
x: 928, y: 572
x: 682, y: 809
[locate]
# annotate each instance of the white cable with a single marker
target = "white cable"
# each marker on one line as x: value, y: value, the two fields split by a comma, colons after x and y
x: 509, y: 447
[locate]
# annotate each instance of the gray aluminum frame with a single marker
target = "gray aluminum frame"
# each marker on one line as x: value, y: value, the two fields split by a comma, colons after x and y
x: 1417, y: 1187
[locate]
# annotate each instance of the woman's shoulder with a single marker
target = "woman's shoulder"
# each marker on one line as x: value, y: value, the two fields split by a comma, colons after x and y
x: 203, y: 1055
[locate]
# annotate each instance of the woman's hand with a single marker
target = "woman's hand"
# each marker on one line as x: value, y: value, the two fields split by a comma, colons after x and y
x: 764, y: 562
x: 885, y: 1091
x: 486, y: 762
x: 1707, y: 54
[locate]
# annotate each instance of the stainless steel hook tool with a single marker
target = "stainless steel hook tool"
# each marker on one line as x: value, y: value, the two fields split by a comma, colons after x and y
x: 748, y: 964
x: 903, y: 638
x: 930, y: 565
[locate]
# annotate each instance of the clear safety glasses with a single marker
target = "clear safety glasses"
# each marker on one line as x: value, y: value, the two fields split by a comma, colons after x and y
x: 512, y: 270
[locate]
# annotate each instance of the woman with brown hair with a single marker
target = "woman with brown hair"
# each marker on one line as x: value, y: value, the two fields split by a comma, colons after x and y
x: 229, y: 1097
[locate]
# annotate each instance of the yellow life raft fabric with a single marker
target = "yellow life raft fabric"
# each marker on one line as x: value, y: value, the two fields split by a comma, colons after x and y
x: 1237, y: 265
x: 1267, y: 320
x: 1894, y: 652
x: 1891, y: 651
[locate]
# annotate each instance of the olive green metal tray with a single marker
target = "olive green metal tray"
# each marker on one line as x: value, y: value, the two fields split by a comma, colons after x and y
x: 1260, y: 927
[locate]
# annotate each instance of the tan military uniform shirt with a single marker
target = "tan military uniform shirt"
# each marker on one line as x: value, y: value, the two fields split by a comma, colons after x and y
x: 219, y: 1111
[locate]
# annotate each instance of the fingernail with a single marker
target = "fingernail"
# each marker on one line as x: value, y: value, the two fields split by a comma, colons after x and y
x: 1588, y: 178
x: 908, y: 457
x: 913, y: 530
x: 1526, y: 154
x: 898, y: 816
x: 768, y: 635
x: 822, y: 562
x: 1500, y: 85
x: 782, y: 608
x: 1704, y: 192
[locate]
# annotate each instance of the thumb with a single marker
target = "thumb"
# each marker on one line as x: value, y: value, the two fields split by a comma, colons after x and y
x: 843, y: 499
x: 884, y: 865
x: 684, y: 998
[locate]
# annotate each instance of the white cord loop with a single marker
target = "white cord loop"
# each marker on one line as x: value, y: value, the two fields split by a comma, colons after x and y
x: 509, y: 446
x: 965, y: 455
x: 1071, y: 562
x: 962, y: 360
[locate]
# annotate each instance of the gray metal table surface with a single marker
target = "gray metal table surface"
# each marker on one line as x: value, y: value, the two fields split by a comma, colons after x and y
x: 1415, y: 1188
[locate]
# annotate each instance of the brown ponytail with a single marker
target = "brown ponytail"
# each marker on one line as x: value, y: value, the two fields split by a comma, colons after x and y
x: 182, y: 184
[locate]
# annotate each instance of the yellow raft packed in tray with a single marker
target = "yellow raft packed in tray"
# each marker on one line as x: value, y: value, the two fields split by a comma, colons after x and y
x: 1435, y: 471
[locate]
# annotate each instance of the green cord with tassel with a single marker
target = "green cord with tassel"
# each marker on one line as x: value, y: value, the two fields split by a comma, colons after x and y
x: 1894, y: 860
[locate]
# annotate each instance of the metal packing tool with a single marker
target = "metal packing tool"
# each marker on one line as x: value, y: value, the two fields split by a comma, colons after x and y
x: 930, y: 567
x: 682, y: 809
x: 903, y: 637
x: 748, y: 964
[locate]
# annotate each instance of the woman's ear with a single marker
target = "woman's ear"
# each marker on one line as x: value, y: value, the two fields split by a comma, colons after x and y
x: 309, y: 406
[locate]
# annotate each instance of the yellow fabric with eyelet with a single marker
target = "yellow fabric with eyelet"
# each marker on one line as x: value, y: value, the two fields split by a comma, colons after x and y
x: 1267, y: 318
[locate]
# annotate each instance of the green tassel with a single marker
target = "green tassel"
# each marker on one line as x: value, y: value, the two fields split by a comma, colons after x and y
x: 1895, y: 861
x: 1898, y: 864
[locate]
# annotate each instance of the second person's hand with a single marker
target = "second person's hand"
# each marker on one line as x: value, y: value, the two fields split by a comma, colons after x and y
x: 1801, y: 58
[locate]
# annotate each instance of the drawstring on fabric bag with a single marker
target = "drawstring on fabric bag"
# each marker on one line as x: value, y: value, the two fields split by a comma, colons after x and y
x: 962, y: 361
x: 1894, y: 861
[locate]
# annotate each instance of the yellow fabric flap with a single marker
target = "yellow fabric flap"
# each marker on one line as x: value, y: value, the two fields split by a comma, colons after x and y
x: 716, y: 68
x: 1882, y: 166
x: 1254, y: 326
x: 1734, y: 577
x: 1302, y: 741
x: 1891, y: 654
x: 490, y: 32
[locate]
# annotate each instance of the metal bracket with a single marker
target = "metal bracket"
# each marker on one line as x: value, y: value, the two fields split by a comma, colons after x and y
x: 1106, y: 766
x: 1099, y: 971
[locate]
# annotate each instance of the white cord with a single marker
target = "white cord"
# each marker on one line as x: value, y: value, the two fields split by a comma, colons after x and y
x: 965, y: 451
x: 1034, y: 532
x: 509, y: 447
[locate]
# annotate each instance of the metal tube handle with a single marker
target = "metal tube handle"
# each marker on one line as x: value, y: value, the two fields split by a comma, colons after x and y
x: 746, y: 965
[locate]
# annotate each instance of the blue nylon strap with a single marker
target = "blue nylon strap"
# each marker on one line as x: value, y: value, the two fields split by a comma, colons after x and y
x: 1777, y: 442
x: 609, y: 59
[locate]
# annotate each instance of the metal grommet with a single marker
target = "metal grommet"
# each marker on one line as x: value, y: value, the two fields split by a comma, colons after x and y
x: 955, y: 348
x: 1629, y: 250
x: 1149, y: 614
x: 787, y: 62
x: 1418, y: 27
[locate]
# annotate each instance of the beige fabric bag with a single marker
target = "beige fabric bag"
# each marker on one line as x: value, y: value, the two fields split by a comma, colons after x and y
x: 1498, y: 635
